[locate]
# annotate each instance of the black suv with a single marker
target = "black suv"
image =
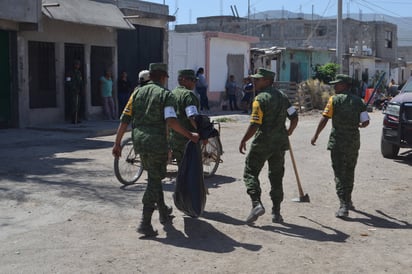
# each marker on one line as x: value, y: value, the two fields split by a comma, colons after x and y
x: 397, y: 123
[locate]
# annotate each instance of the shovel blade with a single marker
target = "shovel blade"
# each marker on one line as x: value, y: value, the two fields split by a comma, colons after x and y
x: 302, y: 199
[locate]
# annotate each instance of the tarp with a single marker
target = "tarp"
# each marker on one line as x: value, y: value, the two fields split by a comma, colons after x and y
x: 86, y: 12
x: 190, y: 192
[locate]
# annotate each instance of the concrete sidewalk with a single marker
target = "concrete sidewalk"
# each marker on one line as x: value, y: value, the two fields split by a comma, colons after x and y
x: 89, y: 128
x: 102, y: 127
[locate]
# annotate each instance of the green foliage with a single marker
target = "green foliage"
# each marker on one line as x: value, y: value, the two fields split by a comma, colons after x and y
x: 327, y: 72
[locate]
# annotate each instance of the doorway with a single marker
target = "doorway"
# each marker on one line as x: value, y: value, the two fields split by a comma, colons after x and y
x: 73, y: 52
x: 101, y: 58
x: 5, y: 80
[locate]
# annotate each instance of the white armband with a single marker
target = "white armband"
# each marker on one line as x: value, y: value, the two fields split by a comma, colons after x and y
x: 169, y: 112
x: 191, y: 110
x: 291, y: 110
x: 364, y: 116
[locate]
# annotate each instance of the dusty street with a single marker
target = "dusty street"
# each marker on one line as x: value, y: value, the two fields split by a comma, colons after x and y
x: 63, y: 211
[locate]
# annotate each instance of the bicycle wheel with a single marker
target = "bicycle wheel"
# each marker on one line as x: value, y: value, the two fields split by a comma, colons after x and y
x: 211, y: 153
x: 128, y: 168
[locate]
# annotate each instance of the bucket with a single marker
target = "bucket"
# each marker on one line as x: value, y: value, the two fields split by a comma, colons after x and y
x: 368, y: 94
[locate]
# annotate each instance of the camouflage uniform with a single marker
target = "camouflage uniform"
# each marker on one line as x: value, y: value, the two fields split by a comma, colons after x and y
x: 184, y: 98
x: 344, y: 140
x: 269, y: 112
x: 74, y: 82
x: 145, y: 109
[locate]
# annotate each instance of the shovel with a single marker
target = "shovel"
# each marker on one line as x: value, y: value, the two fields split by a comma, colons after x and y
x: 303, y: 198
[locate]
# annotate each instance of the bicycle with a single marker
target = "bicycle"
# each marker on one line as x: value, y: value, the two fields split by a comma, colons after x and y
x: 128, y: 168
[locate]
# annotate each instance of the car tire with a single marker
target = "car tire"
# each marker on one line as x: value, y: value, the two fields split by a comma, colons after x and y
x: 389, y: 150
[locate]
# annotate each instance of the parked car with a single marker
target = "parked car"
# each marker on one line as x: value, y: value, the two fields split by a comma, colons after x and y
x: 397, y: 123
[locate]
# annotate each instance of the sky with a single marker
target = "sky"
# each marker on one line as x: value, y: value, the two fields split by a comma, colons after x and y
x: 187, y: 11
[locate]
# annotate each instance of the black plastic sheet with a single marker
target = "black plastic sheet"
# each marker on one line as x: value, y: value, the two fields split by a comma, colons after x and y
x: 205, y: 127
x: 190, y: 192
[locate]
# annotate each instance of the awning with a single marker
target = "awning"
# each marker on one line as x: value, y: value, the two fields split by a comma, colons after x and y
x: 85, y: 12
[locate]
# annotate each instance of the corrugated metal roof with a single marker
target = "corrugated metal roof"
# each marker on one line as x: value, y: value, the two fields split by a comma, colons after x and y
x: 85, y: 12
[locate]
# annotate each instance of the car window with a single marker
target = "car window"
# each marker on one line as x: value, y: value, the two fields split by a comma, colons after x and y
x: 407, y: 87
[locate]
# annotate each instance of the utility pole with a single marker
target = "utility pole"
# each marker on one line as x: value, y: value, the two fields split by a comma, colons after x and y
x: 248, y: 16
x: 339, y: 36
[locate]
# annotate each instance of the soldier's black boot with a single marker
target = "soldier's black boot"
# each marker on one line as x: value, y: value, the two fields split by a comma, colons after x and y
x: 257, y: 210
x: 145, y: 227
x: 350, y: 203
x: 276, y: 217
x: 343, y: 210
x: 165, y: 214
x: 165, y: 211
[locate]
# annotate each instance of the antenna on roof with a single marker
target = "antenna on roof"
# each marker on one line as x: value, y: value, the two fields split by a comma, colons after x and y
x: 237, y: 14
x: 233, y: 11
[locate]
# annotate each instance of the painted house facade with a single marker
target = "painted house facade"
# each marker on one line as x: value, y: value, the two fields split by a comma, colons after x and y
x: 41, y: 39
x: 220, y: 54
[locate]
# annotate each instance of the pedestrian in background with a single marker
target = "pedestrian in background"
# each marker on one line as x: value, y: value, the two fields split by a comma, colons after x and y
x: 247, y: 94
x: 151, y: 110
x: 270, y: 109
x: 75, y: 86
x: 187, y: 107
x: 363, y: 88
x: 106, y: 91
x: 231, y: 91
x: 201, y: 89
x: 144, y: 77
x: 348, y: 113
x: 124, y: 89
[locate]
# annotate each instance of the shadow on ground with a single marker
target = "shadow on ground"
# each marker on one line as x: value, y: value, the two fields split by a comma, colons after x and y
x: 201, y: 235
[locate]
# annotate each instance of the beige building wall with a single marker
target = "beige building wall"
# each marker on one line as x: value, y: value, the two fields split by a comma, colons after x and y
x: 60, y: 32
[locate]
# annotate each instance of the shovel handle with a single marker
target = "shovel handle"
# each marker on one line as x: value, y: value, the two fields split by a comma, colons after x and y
x: 296, y: 171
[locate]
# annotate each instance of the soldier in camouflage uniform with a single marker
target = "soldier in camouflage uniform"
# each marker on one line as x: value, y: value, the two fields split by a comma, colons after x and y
x: 151, y: 109
x: 74, y: 83
x: 348, y: 113
x: 270, y: 109
x: 187, y: 107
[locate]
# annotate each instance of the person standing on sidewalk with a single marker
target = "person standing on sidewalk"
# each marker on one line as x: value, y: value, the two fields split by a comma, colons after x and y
x: 124, y: 89
x: 151, y: 109
x: 187, y: 108
x: 231, y: 91
x: 348, y: 114
x: 201, y: 89
x: 270, y: 109
x: 106, y: 90
x: 75, y: 86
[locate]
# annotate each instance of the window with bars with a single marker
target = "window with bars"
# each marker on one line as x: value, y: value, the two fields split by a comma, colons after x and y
x: 388, y: 39
x: 42, y: 75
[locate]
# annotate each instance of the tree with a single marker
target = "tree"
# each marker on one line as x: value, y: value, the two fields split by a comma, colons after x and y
x: 327, y: 72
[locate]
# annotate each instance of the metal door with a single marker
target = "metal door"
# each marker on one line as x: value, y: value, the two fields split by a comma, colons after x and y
x: 5, y: 87
x: 138, y: 48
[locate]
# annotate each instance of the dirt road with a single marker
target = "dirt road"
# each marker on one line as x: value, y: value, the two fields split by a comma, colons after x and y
x: 62, y: 211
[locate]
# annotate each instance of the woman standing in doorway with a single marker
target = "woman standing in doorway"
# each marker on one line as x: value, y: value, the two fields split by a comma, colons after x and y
x: 106, y: 90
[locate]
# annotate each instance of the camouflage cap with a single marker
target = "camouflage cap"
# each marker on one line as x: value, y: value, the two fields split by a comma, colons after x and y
x: 158, y: 67
x: 188, y: 73
x: 264, y: 73
x: 341, y: 78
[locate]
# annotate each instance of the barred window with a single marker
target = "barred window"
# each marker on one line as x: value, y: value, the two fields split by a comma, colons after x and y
x: 42, y: 75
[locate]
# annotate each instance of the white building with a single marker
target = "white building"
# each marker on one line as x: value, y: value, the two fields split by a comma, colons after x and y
x: 220, y: 54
